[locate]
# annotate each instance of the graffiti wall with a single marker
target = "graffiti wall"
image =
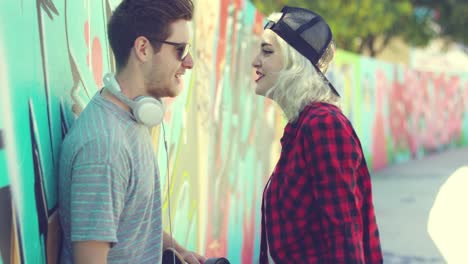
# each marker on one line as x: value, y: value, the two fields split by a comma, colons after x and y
x: 223, y: 140
x: 221, y: 137
x: 400, y: 113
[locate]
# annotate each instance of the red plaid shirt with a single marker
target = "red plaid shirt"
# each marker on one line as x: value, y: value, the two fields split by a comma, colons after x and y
x: 318, y: 206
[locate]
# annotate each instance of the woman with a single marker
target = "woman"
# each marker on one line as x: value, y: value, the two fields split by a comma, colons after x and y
x: 317, y: 206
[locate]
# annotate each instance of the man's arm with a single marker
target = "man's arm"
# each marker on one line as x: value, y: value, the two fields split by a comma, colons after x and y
x: 189, y: 256
x: 90, y: 252
x: 169, y: 242
x: 96, y: 207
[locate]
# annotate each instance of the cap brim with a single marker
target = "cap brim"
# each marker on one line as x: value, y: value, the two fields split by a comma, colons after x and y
x: 326, y: 79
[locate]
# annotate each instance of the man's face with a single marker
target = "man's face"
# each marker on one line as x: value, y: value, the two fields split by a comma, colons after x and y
x: 164, y: 76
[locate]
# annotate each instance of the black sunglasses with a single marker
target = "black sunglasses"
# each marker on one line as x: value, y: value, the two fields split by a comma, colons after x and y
x: 182, y: 49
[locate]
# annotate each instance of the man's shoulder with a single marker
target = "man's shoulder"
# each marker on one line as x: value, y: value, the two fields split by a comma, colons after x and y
x: 91, y: 137
x: 86, y: 132
x: 97, y: 121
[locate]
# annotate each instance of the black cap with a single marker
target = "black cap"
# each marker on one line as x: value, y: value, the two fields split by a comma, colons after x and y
x: 309, y: 34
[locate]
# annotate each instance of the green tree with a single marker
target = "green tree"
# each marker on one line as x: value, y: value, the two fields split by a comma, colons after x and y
x: 367, y: 25
x: 450, y: 16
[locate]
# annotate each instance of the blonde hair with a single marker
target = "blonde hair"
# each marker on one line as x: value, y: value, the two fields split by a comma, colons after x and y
x: 298, y: 83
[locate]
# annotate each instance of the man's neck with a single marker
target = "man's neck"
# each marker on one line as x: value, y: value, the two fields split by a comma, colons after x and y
x: 113, y: 99
x: 129, y: 84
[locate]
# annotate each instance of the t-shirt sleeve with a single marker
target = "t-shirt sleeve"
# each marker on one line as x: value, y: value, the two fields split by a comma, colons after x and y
x: 97, y: 199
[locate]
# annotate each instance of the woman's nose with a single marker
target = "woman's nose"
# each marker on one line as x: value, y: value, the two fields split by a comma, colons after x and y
x: 256, y: 62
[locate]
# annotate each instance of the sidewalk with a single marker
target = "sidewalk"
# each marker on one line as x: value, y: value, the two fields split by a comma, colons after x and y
x: 404, y: 195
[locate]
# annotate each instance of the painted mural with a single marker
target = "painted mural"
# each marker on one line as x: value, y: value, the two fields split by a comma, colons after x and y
x: 223, y: 140
x: 400, y: 113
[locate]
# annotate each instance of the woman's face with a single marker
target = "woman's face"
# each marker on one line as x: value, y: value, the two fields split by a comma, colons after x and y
x: 268, y: 63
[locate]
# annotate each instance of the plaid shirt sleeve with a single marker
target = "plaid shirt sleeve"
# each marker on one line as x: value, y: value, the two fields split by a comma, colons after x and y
x: 333, y: 155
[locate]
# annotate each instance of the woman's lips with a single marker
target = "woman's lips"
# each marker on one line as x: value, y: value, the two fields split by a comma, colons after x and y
x: 260, y: 76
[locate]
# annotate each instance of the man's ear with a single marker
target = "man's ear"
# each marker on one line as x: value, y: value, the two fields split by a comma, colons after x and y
x: 143, y: 49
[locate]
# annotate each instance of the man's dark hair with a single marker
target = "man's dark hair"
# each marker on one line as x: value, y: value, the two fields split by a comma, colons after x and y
x: 149, y: 18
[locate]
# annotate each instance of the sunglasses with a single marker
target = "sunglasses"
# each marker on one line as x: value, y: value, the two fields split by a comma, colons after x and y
x: 182, y: 49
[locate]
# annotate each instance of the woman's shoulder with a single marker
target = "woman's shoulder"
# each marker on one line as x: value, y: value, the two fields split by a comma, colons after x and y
x: 323, y: 113
x: 325, y: 121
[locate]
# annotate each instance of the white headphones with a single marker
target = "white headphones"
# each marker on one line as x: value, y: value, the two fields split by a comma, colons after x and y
x: 147, y: 110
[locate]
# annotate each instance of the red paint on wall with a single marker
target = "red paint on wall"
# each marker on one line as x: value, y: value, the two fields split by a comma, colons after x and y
x: 96, y: 52
x: 248, y: 242
x: 426, y: 111
x: 86, y: 37
x: 258, y: 26
x: 221, y: 50
x: 379, y: 145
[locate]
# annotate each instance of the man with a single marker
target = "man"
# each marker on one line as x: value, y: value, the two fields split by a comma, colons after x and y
x: 109, y: 189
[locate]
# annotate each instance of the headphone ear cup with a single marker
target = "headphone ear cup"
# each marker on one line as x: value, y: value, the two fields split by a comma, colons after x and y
x: 148, y: 111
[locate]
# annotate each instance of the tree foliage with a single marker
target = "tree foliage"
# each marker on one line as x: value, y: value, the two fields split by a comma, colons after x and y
x: 369, y: 25
x: 451, y: 16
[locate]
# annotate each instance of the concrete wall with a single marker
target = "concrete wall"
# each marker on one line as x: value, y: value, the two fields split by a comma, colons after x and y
x: 223, y: 139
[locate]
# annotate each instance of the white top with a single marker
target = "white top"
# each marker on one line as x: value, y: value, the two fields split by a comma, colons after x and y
x: 270, y: 259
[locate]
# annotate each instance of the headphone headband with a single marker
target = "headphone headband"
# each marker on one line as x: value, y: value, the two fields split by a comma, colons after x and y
x: 147, y: 110
x: 113, y: 86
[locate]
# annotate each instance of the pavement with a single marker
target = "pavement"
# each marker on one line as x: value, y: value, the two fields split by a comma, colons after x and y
x: 419, y: 206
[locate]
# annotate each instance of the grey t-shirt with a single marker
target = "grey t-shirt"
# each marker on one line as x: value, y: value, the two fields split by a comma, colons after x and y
x: 109, y: 187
